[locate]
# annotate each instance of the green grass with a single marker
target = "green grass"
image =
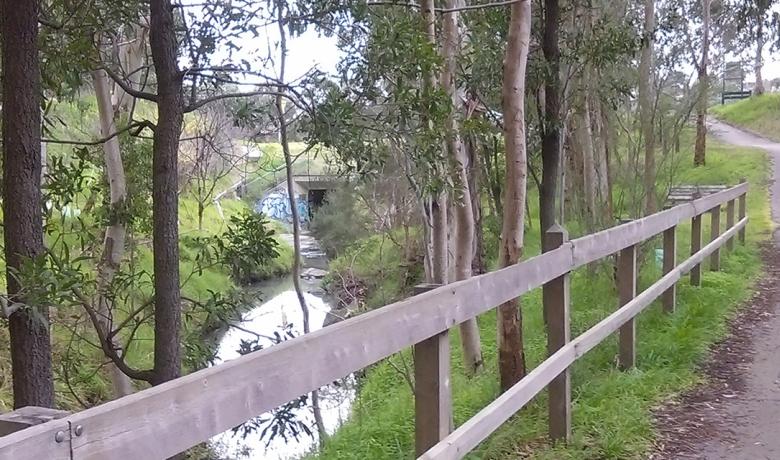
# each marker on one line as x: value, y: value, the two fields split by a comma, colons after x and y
x: 198, y: 284
x: 760, y: 114
x: 611, y: 409
x: 77, y: 120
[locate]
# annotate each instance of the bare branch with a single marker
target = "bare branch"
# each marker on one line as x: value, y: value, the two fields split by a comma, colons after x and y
x: 137, y: 124
x: 196, y: 105
x: 127, y: 88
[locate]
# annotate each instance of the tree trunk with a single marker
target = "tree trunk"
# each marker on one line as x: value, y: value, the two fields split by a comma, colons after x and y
x: 464, y: 217
x: 201, y: 210
x: 31, y: 367
x: 701, y: 113
x: 493, y: 179
x: 584, y: 133
x: 165, y: 206
x: 758, y: 89
x: 114, y: 239
x: 438, y: 264
x: 511, y: 358
x: 551, y: 134
x: 296, y: 224
x: 132, y: 54
x: 475, y: 182
x: 603, y: 170
x: 646, y: 106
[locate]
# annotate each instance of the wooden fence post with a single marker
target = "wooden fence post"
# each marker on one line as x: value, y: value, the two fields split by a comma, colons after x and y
x: 730, y: 223
x: 695, y: 247
x: 742, y: 213
x: 714, y: 234
x: 555, y: 299
x: 626, y: 282
x: 432, y: 392
x: 669, y: 298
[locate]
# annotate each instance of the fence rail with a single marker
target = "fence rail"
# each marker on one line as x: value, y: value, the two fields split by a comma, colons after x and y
x: 167, y: 419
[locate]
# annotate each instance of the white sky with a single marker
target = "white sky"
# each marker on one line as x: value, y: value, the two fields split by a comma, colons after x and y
x: 310, y: 49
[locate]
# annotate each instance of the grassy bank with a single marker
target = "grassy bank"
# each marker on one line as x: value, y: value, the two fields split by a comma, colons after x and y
x: 200, y: 284
x: 93, y: 386
x: 760, y: 114
x: 612, y: 409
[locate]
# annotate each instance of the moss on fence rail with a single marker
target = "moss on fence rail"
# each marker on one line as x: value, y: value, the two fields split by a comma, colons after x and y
x: 611, y: 409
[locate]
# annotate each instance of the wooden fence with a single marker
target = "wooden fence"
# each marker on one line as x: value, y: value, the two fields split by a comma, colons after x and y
x: 167, y: 419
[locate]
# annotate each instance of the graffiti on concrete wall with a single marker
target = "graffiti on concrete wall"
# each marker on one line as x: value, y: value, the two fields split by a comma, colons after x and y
x: 276, y: 205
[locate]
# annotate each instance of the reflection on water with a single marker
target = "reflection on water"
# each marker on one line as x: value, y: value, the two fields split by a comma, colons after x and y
x: 280, y: 311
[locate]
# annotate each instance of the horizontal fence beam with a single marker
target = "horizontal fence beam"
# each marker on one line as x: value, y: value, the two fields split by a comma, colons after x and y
x: 147, y: 424
x: 466, y: 437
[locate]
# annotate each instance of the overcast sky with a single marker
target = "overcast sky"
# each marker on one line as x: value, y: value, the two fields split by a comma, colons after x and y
x: 310, y: 50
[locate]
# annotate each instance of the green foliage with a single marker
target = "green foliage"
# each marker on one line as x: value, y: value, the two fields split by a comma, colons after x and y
x: 340, y: 221
x: 381, y: 106
x: 612, y: 409
x: 246, y: 245
x: 760, y: 114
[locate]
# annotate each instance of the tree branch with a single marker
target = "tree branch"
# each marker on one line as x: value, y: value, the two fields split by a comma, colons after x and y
x: 198, y: 104
x: 138, y: 124
x: 105, y: 343
x: 127, y: 88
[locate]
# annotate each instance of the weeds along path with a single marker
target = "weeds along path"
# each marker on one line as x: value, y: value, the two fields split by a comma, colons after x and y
x: 736, y: 415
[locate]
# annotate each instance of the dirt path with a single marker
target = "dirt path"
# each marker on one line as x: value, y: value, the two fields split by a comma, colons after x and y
x: 737, y: 415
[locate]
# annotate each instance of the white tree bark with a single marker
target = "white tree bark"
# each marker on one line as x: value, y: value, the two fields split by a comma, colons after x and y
x: 759, y: 60
x: 438, y: 202
x: 132, y: 54
x: 510, y: 339
x: 461, y: 203
x: 114, y: 240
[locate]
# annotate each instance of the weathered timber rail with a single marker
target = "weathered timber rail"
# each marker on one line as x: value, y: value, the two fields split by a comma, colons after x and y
x: 162, y: 421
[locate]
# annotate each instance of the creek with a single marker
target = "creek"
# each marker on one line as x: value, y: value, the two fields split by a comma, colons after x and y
x: 279, y: 311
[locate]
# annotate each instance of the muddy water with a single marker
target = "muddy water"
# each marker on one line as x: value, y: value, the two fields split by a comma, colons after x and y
x: 280, y: 311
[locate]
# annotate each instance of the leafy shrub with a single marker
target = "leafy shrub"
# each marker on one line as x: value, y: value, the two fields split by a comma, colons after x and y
x: 340, y: 221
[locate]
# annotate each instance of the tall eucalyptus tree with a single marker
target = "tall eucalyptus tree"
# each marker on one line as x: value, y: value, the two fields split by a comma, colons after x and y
x: 23, y: 219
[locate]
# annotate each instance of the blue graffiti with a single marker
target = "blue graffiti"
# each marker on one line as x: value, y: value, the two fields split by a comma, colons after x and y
x: 276, y: 205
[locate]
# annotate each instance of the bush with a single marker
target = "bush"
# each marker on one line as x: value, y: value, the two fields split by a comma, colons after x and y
x: 340, y: 221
